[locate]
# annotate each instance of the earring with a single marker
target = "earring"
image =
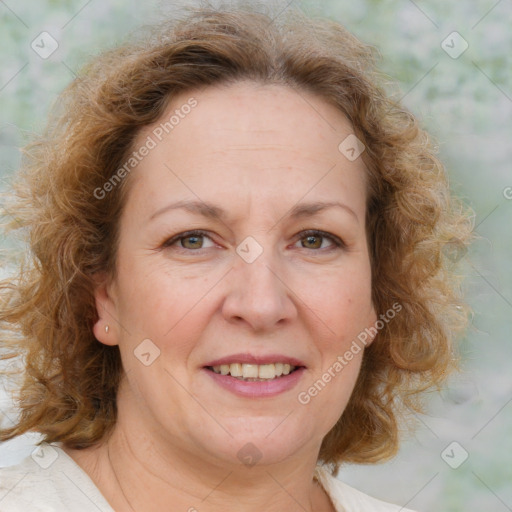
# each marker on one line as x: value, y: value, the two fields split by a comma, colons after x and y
x: 107, y: 328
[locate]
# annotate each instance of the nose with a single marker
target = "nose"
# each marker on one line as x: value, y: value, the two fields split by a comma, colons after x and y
x: 259, y: 294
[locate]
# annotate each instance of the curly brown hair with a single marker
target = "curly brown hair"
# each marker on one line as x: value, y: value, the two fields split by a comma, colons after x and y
x: 70, y: 380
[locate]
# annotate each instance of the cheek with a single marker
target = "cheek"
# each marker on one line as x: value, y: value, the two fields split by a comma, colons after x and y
x: 324, y: 396
x: 154, y: 300
x: 343, y: 304
x: 173, y: 312
x: 344, y: 307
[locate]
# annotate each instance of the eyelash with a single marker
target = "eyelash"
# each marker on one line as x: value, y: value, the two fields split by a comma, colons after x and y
x: 338, y: 243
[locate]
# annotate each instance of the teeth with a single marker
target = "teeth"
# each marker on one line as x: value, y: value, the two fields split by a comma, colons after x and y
x: 235, y: 369
x: 250, y: 371
x: 267, y: 371
x: 254, y: 372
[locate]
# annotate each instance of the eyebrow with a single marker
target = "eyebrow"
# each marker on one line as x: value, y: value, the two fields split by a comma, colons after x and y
x: 214, y: 212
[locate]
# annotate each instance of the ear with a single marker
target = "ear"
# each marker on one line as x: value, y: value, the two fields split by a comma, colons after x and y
x: 106, y: 328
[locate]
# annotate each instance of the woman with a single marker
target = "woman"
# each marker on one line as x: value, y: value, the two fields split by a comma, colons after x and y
x: 238, y: 277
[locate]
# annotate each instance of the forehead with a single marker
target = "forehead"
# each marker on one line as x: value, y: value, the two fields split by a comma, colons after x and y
x: 249, y: 140
x: 251, y: 112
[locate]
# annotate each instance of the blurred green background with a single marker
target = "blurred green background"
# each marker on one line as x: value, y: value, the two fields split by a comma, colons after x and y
x: 465, y: 101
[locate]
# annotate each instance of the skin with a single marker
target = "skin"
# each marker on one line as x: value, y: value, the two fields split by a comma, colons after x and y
x: 256, y: 151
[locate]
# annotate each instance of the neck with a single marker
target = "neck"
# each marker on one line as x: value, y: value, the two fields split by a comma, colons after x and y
x: 138, y: 469
x: 133, y: 477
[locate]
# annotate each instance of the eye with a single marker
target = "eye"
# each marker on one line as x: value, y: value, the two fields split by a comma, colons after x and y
x: 190, y: 240
x: 314, y: 239
x: 193, y: 241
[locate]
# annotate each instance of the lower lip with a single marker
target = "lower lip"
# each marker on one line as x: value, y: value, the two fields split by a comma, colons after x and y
x: 257, y: 389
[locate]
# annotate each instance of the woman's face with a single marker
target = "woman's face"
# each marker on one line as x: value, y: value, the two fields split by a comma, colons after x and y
x: 256, y: 169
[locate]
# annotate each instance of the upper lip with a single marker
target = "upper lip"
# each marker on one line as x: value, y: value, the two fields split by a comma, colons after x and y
x: 256, y: 359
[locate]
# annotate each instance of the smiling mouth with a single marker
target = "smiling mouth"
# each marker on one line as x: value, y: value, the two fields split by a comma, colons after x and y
x: 254, y: 372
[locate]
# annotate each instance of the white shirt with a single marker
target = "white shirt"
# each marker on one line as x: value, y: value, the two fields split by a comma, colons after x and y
x: 49, y: 480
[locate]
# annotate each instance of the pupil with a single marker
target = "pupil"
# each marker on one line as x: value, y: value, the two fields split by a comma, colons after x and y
x: 196, y: 238
x: 311, y: 239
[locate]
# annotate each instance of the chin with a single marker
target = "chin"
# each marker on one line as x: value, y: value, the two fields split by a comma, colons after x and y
x: 267, y: 442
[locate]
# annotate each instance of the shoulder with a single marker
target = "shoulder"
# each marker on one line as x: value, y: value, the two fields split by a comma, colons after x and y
x: 48, y: 481
x: 348, y: 499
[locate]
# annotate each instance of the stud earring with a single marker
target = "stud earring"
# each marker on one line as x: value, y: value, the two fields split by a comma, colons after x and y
x: 107, y: 328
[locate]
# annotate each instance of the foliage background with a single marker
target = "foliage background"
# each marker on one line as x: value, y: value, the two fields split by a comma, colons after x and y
x: 465, y: 103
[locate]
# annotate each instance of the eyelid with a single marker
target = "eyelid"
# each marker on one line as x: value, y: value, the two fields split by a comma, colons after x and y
x: 185, y: 234
x: 337, y: 242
